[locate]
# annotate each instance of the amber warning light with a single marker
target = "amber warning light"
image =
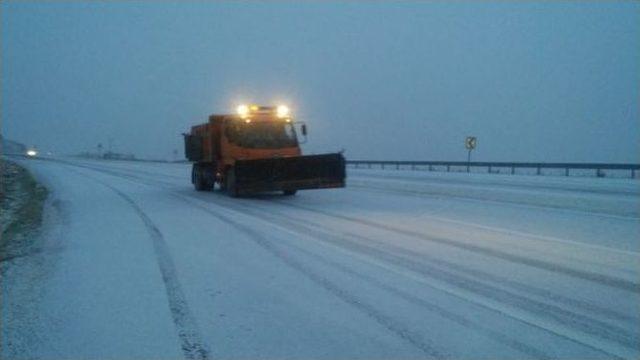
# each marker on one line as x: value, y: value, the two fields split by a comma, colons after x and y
x: 245, y: 111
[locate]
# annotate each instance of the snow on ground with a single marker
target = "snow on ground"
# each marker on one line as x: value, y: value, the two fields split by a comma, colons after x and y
x: 21, y: 199
x: 400, y: 264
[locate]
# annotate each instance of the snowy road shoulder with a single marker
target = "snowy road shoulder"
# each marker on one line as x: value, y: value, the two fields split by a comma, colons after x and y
x: 89, y: 299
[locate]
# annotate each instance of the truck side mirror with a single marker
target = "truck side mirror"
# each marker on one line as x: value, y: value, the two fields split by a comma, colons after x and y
x: 304, y: 129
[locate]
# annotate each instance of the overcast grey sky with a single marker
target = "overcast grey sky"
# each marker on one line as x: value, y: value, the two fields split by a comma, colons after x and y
x: 536, y: 81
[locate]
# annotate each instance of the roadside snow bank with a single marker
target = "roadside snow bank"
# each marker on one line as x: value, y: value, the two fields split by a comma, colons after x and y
x: 21, y: 202
x: 22, y: 268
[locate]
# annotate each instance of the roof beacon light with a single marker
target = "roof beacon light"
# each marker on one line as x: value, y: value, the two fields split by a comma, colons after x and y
x: 282, y: 111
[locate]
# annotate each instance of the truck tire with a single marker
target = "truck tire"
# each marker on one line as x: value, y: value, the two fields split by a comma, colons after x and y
x: 230, y: 183
x: 289, y: 192
x: 208, y: 186
x: 200, y: 181
x: 223, y: 184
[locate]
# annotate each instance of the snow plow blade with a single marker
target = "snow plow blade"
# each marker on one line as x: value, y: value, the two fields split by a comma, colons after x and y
x: 291, y: 173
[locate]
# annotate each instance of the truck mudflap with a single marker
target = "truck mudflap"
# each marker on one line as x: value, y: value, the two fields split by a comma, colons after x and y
x: 291, y: 173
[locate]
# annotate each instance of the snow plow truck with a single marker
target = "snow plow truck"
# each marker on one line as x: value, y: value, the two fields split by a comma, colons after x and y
x: 257, y: 150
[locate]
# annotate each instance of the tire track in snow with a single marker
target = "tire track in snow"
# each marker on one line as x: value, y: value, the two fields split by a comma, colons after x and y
x: 434, y: 308
x: 191, y: 341
x: 568, y: 325
x: 259, y: 239
x: 282, y: 203
x: 451, y: 316
x: 172, y: 187
x: 387, y: 322
x: 596, y: 329
x: 456, y: 318
x: 164, y: 185
x: 475, y: 273
x: 602, y: 279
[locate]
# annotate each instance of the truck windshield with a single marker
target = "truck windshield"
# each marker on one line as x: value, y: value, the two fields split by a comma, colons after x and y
x: 262, y: 134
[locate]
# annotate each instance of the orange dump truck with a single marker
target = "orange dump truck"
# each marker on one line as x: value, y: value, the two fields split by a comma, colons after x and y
x: 257, y: 150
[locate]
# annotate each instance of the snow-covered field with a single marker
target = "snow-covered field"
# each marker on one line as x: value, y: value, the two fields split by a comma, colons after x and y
x: 400, y: 264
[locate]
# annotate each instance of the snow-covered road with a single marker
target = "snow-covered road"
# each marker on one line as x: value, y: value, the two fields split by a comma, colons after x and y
x: 399, y: 264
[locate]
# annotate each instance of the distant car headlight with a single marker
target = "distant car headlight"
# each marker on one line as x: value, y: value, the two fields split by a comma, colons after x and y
x: 32, y: 153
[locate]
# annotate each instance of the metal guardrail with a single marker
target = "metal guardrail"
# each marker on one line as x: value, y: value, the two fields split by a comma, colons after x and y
x: 598, y: 168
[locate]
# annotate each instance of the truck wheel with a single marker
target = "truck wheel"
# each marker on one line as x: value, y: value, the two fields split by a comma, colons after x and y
x: 200, y: 180
x: 289, y: 192
x: 230, y: 183
x: 223, y: 184
x: 207, y: 181
x: 208, y: 186
x: 197, y: 178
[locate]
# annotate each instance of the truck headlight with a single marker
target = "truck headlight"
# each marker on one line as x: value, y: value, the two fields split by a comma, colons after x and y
x: 282, y: 111
x: 243, y: 111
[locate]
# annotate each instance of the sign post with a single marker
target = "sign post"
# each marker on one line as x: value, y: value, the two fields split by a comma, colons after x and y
x: 470, y: 143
